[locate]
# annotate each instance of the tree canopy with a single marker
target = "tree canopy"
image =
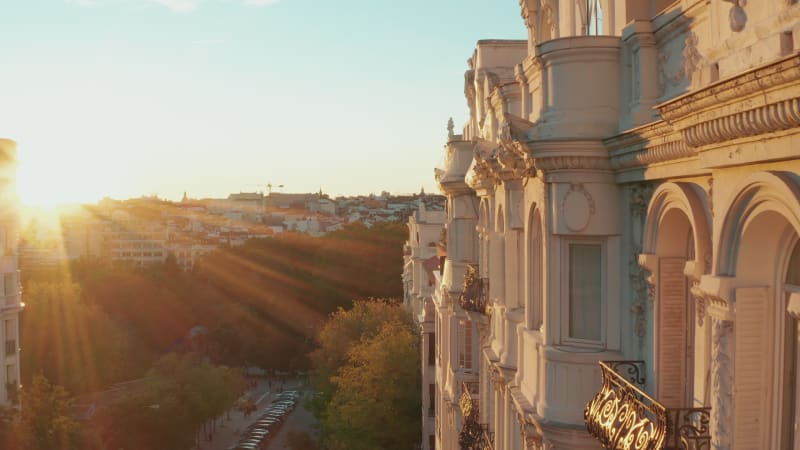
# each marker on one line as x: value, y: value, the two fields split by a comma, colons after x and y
x: 367, y: 371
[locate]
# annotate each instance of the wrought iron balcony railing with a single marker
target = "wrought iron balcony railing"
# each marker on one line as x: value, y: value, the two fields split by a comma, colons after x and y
x: 475, y: 294
x: 622, y: 416
x: 474, y: 435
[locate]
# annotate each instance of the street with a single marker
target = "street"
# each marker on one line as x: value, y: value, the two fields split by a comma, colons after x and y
x: 229, y: 431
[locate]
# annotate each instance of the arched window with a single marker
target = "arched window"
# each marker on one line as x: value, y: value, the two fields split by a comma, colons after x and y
x: 534, y: 275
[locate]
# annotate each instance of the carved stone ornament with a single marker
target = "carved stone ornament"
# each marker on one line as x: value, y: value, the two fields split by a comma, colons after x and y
x: 577, y: 207
x: 737, y: 107
x: 691, y: 62
x: 640, y: 199
x: 484, y: 166
x: 530, y: 435
x: 638, y: 276
x: 550, y: 163
x: 691, y: 55
x: 512, y: 165
x: 737, y: 16
x: 699, y: 302
x: 450, y: 127
x: 710, y: 201
x: 721, y: 383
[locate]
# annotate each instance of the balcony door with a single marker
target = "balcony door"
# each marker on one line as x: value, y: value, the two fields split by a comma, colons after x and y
x: 676, y: 335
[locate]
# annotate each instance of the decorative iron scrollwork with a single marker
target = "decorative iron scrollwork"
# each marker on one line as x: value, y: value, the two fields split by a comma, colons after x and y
x: 633, y: 371
x: 475, y: 294
x: 688, y: 428
x: 473, y: 435
x: 623, y: 417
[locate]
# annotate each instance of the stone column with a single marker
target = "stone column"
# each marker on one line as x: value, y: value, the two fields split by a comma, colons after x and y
x: 721, y: 383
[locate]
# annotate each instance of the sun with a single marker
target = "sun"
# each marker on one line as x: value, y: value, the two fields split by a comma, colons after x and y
x: 50, y: 184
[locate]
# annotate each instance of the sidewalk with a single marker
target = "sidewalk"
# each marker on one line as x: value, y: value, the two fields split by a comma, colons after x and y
x: 229, y: 431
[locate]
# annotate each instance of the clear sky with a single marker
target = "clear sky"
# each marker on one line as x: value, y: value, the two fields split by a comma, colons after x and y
x: 136, y: 97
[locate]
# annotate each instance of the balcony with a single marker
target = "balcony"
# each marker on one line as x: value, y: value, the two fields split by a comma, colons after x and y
x: 10, y: 303
x: 475, y: 294
x: 474, y: 435
x: 623, y: 416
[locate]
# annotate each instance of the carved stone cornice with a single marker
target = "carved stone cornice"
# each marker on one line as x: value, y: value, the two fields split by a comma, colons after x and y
x: 572, y: 162
x: 649, y: 144
x: 762, y: 100
x: 759, y: 120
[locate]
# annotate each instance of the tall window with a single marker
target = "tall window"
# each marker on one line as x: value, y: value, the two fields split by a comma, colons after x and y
x: 10, y: 337
x: 585, y: 291
x: 431, y: 349
x: 431, y: 399
x: 465, y: 345
x: 9, y: 286
x: 11, y: 374
x: 594, y: 18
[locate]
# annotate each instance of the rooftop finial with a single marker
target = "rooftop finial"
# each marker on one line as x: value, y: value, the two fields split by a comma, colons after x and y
x: 450, y: 127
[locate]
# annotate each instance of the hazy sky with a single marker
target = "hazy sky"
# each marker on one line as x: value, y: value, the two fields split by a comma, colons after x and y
x: 132, y: 97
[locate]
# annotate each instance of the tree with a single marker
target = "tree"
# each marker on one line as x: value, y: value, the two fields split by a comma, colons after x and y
x: 376, y: 403
x: 179, y: 395
x: 301, y: 440
x: 45, y: 421
x: 343, y: 330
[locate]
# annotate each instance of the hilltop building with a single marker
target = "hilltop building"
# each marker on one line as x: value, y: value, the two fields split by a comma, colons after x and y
x: 11, y: 299
x: 623, y: 218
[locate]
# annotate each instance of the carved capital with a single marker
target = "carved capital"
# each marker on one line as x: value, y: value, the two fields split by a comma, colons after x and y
x: 699, y: 302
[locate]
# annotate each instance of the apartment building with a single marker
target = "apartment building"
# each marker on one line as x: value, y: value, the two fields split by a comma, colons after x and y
x: 11, y: 298
x: 623, y: 218
x: 421, y: 273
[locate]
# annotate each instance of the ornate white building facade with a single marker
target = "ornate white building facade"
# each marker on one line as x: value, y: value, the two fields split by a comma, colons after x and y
x: 622, y: 231
x: 11, y: 298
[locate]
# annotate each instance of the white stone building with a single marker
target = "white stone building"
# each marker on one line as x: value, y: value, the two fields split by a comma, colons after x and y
x: 421, y: 273
x: 623, y: 218
x: 11, y: 298
x: 135, y: 241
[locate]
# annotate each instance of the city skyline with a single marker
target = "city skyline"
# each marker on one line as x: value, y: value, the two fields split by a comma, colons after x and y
x: 125, y: 98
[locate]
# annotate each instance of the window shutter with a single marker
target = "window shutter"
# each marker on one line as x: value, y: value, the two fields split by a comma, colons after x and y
x: 751, y: 360
x: 672, y: 308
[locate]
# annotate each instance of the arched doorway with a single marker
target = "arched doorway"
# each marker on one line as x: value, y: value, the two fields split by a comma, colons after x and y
x: 759, y: 255
x: 675, y: 245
